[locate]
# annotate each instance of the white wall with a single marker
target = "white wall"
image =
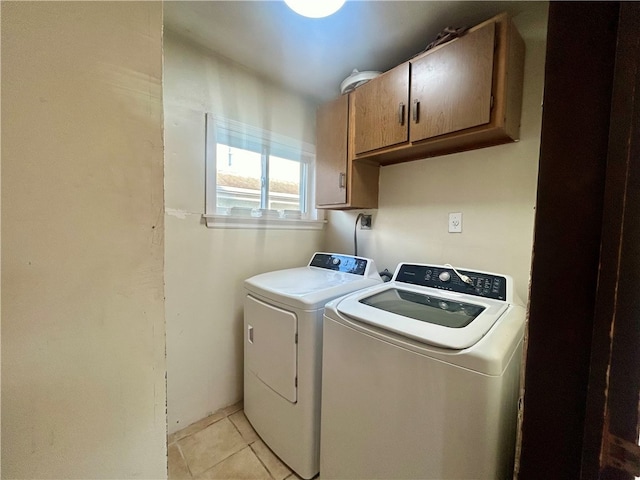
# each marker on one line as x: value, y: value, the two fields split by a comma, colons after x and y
x: 205, y: 268
x: 83, y: 345
x: 494, y: 188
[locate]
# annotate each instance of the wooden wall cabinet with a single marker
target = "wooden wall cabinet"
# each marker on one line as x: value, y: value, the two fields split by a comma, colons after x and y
x: 461, y: 95
x: 341, y: 181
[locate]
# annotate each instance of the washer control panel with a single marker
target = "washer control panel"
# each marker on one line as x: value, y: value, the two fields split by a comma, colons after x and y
x: 484, y: 284
x: 340, y: 263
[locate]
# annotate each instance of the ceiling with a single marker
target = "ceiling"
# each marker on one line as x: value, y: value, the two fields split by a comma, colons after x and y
x: 313, y: 56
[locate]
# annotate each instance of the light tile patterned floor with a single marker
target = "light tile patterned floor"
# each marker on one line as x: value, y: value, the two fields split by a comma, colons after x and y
x: 223, y: 446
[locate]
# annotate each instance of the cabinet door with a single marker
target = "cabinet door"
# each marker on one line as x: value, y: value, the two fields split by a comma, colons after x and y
x: 451, y: 87
x: 332, y: 123
x: 381, y: 109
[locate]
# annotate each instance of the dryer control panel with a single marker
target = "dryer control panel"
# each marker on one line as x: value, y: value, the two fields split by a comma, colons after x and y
x: 340, y: 263
x: 482, y: 284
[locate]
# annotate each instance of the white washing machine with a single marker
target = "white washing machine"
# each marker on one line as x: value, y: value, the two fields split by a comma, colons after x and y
x: 283, y: 351
x: 420, y: 377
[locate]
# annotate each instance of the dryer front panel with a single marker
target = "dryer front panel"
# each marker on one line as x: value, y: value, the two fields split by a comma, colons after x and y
x: 270, y: 346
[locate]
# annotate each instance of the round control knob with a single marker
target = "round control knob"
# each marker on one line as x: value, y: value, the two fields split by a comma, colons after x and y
x: 444, y: 276
x: 335, y: 261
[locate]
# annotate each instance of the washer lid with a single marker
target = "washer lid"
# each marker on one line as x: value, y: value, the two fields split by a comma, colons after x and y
x: 441, y: 318
x: 308, y: 288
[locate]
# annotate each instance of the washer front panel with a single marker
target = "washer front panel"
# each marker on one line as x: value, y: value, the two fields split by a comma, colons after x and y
x: 389, y: 412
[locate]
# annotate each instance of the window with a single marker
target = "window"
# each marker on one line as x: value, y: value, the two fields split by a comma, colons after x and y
x: 257, y: 179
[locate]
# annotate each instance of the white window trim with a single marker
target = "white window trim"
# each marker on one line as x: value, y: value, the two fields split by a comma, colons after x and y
x: 231, y: 221
x: 214, y: 219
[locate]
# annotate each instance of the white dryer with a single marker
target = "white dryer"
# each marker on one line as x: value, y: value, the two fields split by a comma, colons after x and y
x: 420, y: 377
x: 282, y: 351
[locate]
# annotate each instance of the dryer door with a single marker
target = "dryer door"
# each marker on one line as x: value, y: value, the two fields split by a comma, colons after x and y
x: 270, y: 346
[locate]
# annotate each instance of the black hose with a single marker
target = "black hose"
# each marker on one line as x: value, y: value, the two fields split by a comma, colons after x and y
x: 386, y: 275
x: 355, y: 235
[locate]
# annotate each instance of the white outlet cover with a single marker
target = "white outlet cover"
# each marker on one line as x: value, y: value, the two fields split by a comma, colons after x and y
x: 455, y: 222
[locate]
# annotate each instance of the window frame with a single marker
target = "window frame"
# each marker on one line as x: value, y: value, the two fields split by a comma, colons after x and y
x: 270, y: 142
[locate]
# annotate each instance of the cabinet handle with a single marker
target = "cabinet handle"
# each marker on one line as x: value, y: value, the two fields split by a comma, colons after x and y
x: 401, y: 113
x: 250, y: 333
x: 416, y: 108
x: 342, y: 180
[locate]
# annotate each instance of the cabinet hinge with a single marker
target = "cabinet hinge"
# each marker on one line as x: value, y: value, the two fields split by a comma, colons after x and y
x: 296, y: 382
x: 623, y: 455
x: 296, y: 340
x: 491, y: 102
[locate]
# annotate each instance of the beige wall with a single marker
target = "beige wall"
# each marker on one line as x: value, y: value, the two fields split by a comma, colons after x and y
x: 83, y: 345
x: 205, y: 268
x: 494, y: 188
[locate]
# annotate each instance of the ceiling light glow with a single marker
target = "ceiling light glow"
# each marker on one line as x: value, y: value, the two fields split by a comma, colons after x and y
x: 315, y: 8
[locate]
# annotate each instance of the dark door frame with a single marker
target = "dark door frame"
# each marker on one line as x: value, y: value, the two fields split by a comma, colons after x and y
x: 589, y: 137
x: 614, y: 381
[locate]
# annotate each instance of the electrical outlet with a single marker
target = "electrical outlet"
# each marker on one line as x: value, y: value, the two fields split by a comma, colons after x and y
x: 365, y: 222
x: 455, y: 222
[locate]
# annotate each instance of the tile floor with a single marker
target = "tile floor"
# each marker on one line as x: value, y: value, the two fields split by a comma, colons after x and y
x: 223, y: 446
